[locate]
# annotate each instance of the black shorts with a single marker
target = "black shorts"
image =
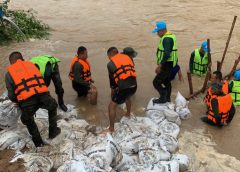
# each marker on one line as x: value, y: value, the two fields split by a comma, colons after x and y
x: 82, y: 90
x: 121, y: 96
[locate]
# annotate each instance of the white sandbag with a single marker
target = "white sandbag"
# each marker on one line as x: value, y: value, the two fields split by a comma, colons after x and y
x: 149, y: 168
x: 150, y: 152
x: 125, y: 164
x: 147, y: 127
x: 170, y: 166
x: 129, y: 144
x: 143, y: 125
x: 156, y: 106
x: 184, y: 113
x: 9, y: 114
x: 61, y: 153
x: 180, y: 101
x: 183, y: 161
x: 79, y: 164
x: 4, y: 96
x: 169, y: 128
x: 11, y: 139
x: 155, y: 115
x: 104, y: 153
x: 171, y: 115
x: 168, y: 142
x: 34, y: 162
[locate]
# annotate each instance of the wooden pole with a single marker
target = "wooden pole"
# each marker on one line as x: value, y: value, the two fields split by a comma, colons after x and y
x: 190, y: 82
x: 228, y: 76
x: 205, y: 82
x: 209, y: 67
x: 218, y: 66
x: 228, y: 40
x: 209, y: 56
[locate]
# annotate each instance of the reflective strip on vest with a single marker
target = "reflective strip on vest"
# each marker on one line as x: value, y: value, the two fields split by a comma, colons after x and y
x: 86, y: 75
x: 41, y: 62
x: 200, y: 64
x: 125, y: 67
x: 235, y: 94
x: 27, y: 79
x: 224, y: 106
x: 160, y: 51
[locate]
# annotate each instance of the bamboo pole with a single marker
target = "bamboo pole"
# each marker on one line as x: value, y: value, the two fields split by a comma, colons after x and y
x: 228, y: 76
x: 190, y: 82
x: 228, y: 40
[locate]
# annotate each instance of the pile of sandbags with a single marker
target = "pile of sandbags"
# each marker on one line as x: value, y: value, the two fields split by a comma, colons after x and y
x: 138, y: 143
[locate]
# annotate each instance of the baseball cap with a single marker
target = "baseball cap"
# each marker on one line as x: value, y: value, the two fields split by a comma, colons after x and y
x: 130, y: 52
x: 204, y: 46
x: 237, y: 74
x: 159, y: 26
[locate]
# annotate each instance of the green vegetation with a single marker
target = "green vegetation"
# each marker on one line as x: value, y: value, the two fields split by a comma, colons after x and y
x: 26, y: 21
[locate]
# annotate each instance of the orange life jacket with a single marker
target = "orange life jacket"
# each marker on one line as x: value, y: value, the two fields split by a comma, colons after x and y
x: 86, y: 75
x: 224, y: 106
x: 27, y: 79
x: 125, y: 67
x: 207, y: 98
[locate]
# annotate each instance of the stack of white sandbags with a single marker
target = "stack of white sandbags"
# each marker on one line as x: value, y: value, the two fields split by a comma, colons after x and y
x: 138, y: 144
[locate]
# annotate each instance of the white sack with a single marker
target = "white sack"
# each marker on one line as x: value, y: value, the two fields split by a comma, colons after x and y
x: 9, y: 114
x: 169, y: 128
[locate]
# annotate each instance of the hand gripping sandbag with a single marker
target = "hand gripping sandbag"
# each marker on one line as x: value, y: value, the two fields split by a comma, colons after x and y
x: 9, y: 114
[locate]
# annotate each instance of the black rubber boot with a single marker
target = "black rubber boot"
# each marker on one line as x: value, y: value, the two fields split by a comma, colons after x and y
x: 163, y: 97
x: 54, y: 132
x: 61, y: 103
x: 169, y: 91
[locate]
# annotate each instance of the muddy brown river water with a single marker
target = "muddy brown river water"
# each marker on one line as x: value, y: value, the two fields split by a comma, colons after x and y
x: 99, y: 24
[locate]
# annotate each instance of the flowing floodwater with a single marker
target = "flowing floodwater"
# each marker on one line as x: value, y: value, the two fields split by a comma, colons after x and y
x: 99, y: 24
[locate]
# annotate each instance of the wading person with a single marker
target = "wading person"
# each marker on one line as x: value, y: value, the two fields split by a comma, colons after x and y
x: 221, y: 109
x: 48, y: 66
x: 80, y: 74
x: 130, y: 52
x: 198, y: 63
x: 234, y: 88
x: 167, y: 59
x: 216, y: 77
x: 26, y: 87
x: 123, y: 83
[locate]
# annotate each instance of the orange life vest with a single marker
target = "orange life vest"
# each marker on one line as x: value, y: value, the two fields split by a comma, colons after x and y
x: 207, y: 98
x: 86, y: 75
x: 27, y: 79
x: 125, y: 67
x: 224, y: 106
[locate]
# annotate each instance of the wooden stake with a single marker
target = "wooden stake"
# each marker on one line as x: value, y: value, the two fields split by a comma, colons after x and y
x: 190, y: 82
x: 228, y: 40
x: 228, y: 76
x: 218, y: 66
